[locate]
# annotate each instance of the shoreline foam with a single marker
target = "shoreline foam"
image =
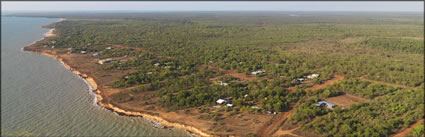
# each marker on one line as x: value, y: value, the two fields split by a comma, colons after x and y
x: 93, y: 88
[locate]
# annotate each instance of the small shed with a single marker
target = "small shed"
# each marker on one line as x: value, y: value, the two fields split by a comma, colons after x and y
x: 255, y: 107
x: 222, y: 83
x: 257, y: 72
x: 329, y: 105
x: 222, y: 101
x: 299, y: 80
x: 312, y: 76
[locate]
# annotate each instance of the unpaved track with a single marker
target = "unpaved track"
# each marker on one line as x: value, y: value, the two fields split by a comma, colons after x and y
x: 329, y: 82
x: 267, y: 131
x: 404, y: 132
x: 287, y: 132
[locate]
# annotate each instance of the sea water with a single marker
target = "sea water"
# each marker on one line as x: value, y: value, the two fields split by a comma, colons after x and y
x: 40, y: 97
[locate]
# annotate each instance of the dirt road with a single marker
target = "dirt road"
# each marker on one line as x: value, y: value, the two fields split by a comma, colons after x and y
x: 329, y: 82
x: 266, y: 131
x: 286, y: 132
x: 404, y: 132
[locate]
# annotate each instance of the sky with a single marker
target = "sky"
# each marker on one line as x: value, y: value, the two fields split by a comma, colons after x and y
x: 415, y: 6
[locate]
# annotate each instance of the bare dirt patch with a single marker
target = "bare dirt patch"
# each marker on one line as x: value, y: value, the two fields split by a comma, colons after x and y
x: 308, y: 83
x: 238, y: 75
x: 233, y: 73
x: 89, y: 66
x: 277, y: 120
x: 287, y: 132
x: 346, y: 100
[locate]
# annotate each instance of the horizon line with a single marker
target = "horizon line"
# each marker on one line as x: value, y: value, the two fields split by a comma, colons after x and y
x: 202, y: 10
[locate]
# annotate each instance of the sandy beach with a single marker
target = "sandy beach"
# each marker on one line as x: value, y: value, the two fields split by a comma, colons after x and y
x: 51, y: 33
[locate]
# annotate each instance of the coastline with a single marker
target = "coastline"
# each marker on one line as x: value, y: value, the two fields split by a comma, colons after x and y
x: 93, y: 88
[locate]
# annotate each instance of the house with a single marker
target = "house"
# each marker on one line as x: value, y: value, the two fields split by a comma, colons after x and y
x: 105, y: 61
x: 53, y: 47
x: 229, y: 105
x: 53, y: 42
x: 329, y: 105
x: 222, y: 101
x: 257, y: 72
x: 270, y: 113
x: 83, y: 52
x: 167, y: 67
x: 312, y: 76
x: 108, y: 48
x: 95, y: 54
x: 222, y: 83
x: 88, y: 44
x: 255, y: 107
x: 156, y: 64
x: 299, y: 80
x: 149, y: 73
